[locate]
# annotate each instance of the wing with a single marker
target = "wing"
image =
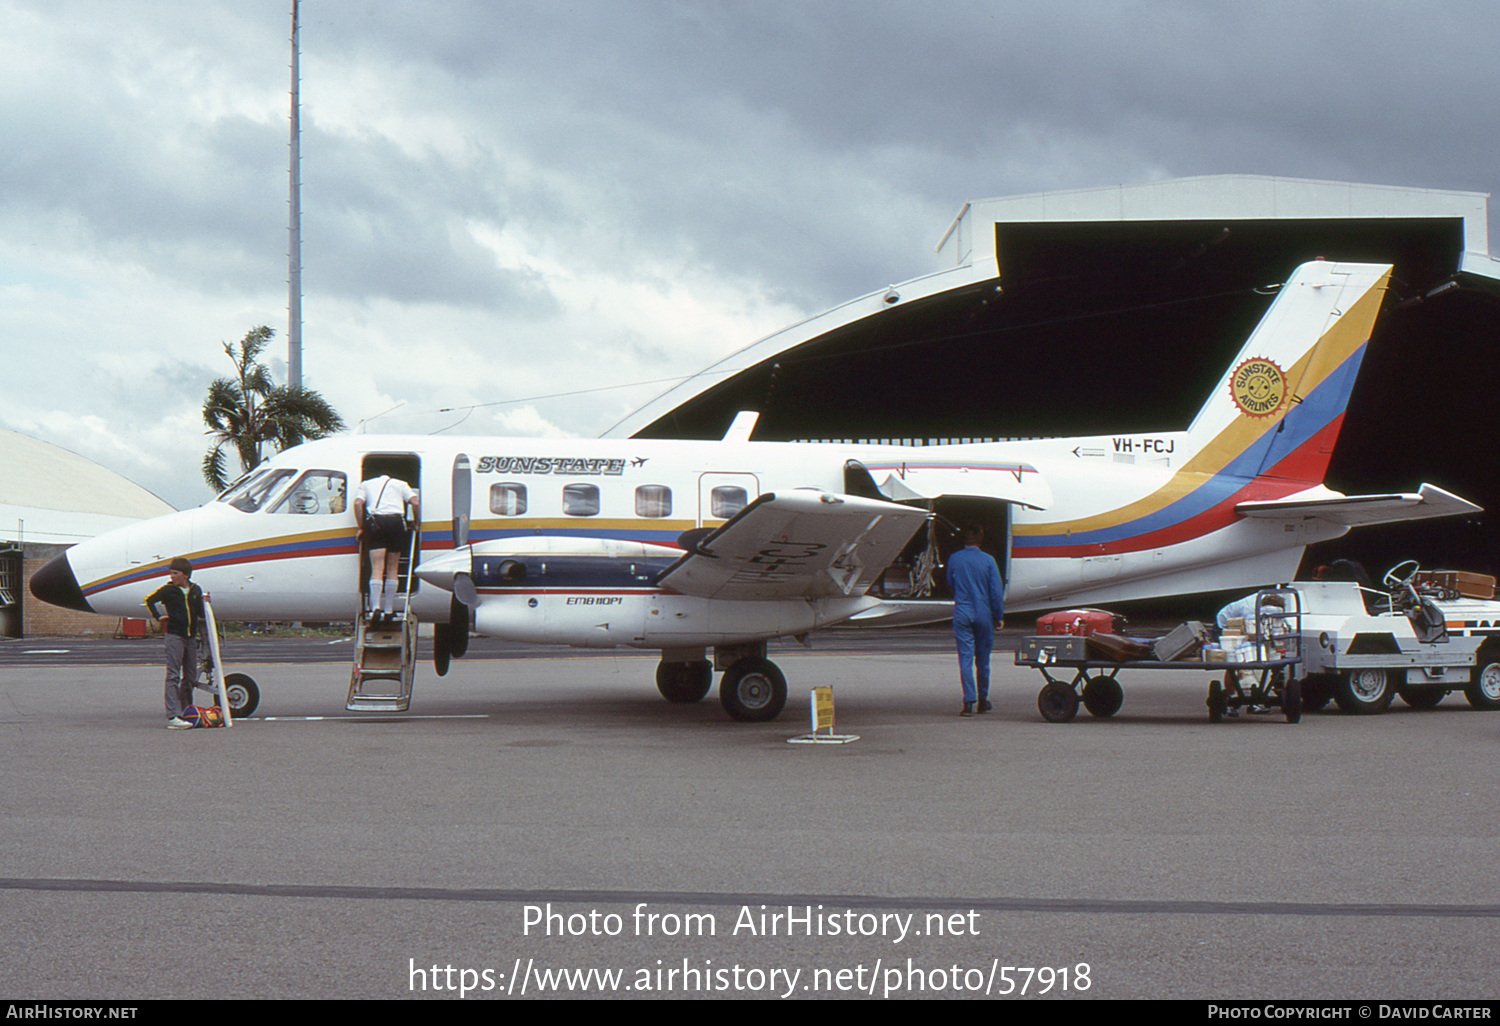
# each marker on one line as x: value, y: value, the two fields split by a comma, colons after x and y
x: 1359, y: 510
x: 801, y: 544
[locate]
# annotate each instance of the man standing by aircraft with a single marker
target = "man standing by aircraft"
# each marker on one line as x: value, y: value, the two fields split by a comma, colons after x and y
x: 178, y: 607
x: 978, y: 608
x: 380, y: 511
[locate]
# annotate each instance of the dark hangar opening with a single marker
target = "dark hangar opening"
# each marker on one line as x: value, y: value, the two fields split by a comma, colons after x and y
x: 1110, y: 327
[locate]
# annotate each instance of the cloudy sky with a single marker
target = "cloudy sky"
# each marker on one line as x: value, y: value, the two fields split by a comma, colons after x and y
x: 509, y: 200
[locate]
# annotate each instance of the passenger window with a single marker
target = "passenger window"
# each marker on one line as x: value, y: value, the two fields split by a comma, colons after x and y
x: 727, y: 500
x: 581, y: 500
x: 252, y: 492
x: 653, y: 501
x: 316, y: 492
x: 508, y: 499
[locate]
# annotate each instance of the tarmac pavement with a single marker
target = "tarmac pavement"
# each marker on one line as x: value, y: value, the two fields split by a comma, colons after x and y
x: 537, y: 816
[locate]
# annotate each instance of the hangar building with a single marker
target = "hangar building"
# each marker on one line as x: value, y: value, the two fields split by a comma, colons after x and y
x: 51, y: 498
x: 1114, y: 310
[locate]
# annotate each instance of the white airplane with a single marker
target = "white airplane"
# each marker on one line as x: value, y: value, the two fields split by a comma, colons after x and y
x: 686, y: 546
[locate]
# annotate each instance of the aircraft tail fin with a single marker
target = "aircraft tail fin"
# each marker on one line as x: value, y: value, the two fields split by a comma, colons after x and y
x: 1277, y: 410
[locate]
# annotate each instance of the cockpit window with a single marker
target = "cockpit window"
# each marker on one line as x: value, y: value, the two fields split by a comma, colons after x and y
x: 316, y: 492
x: 251, y: 493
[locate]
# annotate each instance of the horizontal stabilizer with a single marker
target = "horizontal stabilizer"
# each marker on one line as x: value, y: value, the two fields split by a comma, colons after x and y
x: 800, y: 544
x: 1359, y: 510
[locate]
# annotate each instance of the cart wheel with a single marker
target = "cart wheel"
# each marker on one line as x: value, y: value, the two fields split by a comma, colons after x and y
x: 1421, y: 697
x: 1103, y: 696
x: 1217, y: 704
x: 1317, y: 691
x: 1057, y: 702
x: 1291, y: 700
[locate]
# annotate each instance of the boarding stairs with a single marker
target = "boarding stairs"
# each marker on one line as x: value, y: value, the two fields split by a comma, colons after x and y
x: 385, y: 652
x: 384, y: 658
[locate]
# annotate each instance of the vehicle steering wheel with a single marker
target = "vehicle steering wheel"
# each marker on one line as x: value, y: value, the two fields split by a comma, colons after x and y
x: 1401, y: 575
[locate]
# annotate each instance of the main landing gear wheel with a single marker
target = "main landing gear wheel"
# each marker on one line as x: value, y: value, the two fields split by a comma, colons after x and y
x: 1103, y: 696
x: 753, y: 690
x: 242, y: 693
x: 684, y: 683
x: 1057, y: 702
x: 1483, y: 691
x: 1363, y: 692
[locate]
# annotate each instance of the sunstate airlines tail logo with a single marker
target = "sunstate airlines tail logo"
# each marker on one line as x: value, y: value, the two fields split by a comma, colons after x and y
x: 1258, y: 387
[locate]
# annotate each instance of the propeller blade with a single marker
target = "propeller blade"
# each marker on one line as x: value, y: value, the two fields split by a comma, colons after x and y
x: 462, y: 500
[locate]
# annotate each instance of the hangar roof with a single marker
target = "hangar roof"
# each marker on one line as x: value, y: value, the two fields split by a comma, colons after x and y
x: 51, y: 496
x: 1153, y: 266
x: 1214, y: 197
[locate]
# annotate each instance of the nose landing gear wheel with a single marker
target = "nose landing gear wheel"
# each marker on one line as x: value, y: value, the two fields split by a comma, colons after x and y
x: 242, y: 693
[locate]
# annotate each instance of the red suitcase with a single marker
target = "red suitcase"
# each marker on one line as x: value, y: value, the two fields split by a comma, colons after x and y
x: 1080, y: 621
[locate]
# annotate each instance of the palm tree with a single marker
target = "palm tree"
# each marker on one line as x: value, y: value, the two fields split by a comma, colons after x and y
x: 249, y: 411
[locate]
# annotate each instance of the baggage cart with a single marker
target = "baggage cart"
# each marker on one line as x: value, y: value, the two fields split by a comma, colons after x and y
x: 1263, y: 673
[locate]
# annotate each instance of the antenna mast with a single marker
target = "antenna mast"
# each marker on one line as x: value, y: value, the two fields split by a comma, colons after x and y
x: 294, y: 272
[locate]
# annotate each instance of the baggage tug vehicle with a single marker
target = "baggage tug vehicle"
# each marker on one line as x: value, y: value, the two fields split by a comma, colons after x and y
x: 1420, y: 639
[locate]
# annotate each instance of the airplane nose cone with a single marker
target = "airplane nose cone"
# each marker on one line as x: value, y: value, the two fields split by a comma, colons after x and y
x: 54, y: 583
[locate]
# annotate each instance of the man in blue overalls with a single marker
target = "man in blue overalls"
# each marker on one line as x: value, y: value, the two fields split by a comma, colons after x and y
x: 978, y: 609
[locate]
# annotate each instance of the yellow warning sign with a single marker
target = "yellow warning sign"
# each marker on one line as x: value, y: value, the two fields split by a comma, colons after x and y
x: 822, y: 709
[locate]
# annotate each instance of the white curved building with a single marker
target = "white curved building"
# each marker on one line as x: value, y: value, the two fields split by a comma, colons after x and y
x: 51, y: 498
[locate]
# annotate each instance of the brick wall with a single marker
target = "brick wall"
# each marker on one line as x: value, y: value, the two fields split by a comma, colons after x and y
x: 39, y: 619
